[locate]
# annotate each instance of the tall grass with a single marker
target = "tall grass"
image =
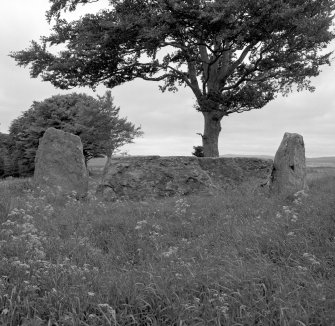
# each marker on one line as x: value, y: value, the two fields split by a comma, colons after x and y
x: 238, y: 258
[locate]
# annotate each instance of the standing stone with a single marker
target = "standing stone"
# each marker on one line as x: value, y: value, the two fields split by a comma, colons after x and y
x: 289, y: 167
x: 60, y: 162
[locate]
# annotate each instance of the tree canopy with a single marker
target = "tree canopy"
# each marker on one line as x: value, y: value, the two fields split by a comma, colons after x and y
x: 95, y: 120
x: 235, y: 55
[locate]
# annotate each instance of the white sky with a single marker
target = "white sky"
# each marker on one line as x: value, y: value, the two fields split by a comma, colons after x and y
x: 169, y: 121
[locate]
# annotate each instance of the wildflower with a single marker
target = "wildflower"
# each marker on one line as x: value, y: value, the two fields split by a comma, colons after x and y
x: 157, y: 227
x: 28, y: 228
x: 222, y: 298
x: 301, y: 193
x: 27, y: 218
x: 140, y: 224
x: 312, y: 259
x: 286, y: 209
x: 185, y: 241
x: 19, y: 264
x: 48, y: 209
x: 171, y: 251
x: 224, y: 310
x: 91, y: 294
x: 302, y: 268
x: 181, y: 206
x: 196, y: 299
x: 108, y: 309
x: 5, y: 311
x: 294, y: 218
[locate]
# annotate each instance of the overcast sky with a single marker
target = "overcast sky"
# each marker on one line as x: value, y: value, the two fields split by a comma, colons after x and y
x: 169, y: 121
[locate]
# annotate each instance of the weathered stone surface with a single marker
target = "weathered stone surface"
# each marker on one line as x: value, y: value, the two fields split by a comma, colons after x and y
x: 236, y: 170
x: 289, y: 168
x: 60, y: 162
x: 154, y: 176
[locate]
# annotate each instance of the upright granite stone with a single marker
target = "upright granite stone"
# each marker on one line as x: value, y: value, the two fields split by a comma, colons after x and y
x: 146, y: 177
x: 289, y: 168
x: 60, y: 162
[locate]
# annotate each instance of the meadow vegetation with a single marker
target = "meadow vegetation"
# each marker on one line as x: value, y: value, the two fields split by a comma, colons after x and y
x: 235, y: 258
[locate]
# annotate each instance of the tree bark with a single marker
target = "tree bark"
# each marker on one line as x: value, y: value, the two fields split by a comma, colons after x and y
x: 109, y: 153
x: 210, y: 138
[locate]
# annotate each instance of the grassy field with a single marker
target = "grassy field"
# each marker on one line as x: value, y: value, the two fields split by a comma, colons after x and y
x: 237, y: 258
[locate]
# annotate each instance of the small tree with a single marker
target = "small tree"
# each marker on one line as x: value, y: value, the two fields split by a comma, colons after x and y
x: 198, y: 151
x: 123, y: 131
x: 93, y: 120
x: 235, y: 55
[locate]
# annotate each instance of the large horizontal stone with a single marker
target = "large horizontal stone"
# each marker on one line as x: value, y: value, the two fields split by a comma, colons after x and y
x: 236, y: 170
x: 154, y: 176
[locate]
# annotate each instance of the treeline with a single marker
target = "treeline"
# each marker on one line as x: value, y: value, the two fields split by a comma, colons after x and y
x: 95, y: 120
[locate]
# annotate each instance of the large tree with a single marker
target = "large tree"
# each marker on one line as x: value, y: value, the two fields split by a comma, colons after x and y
x: 95, y: 120
x: 235, y: 55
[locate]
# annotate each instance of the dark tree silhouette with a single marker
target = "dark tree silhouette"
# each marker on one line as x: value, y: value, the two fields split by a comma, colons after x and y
x: 95, y: 121
x: 235, y: 55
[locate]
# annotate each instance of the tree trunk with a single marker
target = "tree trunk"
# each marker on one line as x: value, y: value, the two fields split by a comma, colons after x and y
x: 109, y: 153
x: 210, y: 138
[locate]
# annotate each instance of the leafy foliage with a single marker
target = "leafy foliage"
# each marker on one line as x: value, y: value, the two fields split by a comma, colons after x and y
x: 198, y: 151
x: 234, y: 55
x: 4, y: 155
x: 95, y: 121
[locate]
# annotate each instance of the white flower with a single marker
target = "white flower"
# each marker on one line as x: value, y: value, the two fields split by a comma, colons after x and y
x: 302, y: 268
x: 5, y: 311
x: 294, y: 218
x: 301, y: 193
x: 157, y: 227
x: 140, y: 224
x: 286, y: 209
x: 108, y: 309
x: 311, y: 258
x: 171, y: 251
